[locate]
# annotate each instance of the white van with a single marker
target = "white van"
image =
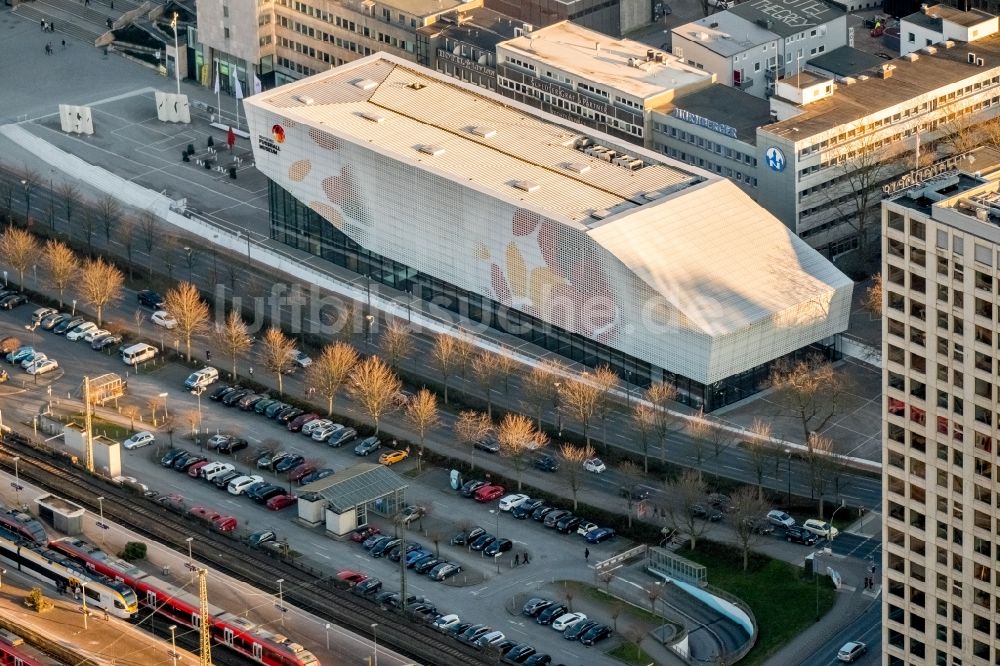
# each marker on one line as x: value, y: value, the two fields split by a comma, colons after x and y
x: 138, y: 353
x: 201, y: 378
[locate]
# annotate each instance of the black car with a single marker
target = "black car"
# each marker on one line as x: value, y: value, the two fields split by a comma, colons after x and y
x: 102, y: 342
x: 221, y: 392
x: 288, y: 463
x: 50, y: 322
x: 546, y: 463
x: 538, y: 660
x: 264, y: 492
x: 706, y: 513
x: 481, y: 542
x: 289, y: 414
x: 535, y: 606
x: 595, y: 634
x: 170, y: 456
x: 458, y: 629
x: 235, y: 396
x: 233, y: 445
x: 488, y: 445
x: 150, y: 299
x: 374, y: 540
x: 798, y: 534
x: 498, y: 546
x: 759, y: 525
x: 367, y: 587
x: 568, y: 524
x: 465, y: 538
x: 542, y: 511
x: 396, y: 552
x: 549, y: 615
x: 247, y: 402
x: 577, y: 630
x: 634, y: 493
x: 12, y: 301
x: 553, y: 517
x: 518, y: 653
x: 470, y: 487
x: 182, y: 464
x: 342, y: 437
x: 383, y: 548
x: 425, y: 565
x: 525, y: 508
x: 66, y: 325
x: 223, y: 480
x: 273, y: 410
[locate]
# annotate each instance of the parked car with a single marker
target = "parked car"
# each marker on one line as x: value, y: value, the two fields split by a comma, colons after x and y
x: 281, y: 501
x: 220, y: 392
x: 445, y: 571
x: 779, y: 518
x: 215, y: 441
x: 43, y: 367
x: 274, y: 408
x: 497, y: 547
x: 489, y: 493
x: 184, y: 464
x: 383, y: 547
x: 470, y: 487
x: 532, y: 607
x: 360, y: 534
x: 759, y: 525
x: 12, y: 301
x: 351, y: 577
x: 102, y: 342
x: 268, y: 458
x: 301, y: 359
x: 15, y: 357
x: 138, y: 440
x: 599, y: 535
x: 316, y: 476
x: 67, y: 325
x: 488, y: 445
x: 596, y: 634
x: 549, y: 615
x: 525, y: 508
x: 295, y: 425
x: 552, y: 517
x: 585, y: 528
x: 222, y: 481
x: 217, y: 469
x: 539, y: 659
x: 821, y: 528
x: 150, y: 299
x: 310, y: 427
x: 92, y: 335
x: 797, y: 534
x: 367, y: 587
x: 248, y: 402
x: 546, y: 463
x: 170, y: 456
x: 164, y: 319
x: 262, y: 406
x: 288, y: 463
x: 568, y: 524
x: 301, y: 472
x: 482, y: 542
x: 852, y: 651
x: 53, y: 320
x: 577, y: 630
x: 233, y: 397
x: 367, y: 446
x: 194, y: 471
x: 260, y: 537
x: 490, y: 640
x: 415, y: 556
x: 412, y: 513
x: 374, y: 540
x: 392, y: 457
x: 75, y: 334
x: 233, y: 445
x: 564, y: 622
x: 595, y: 465
x: 446, y: 622
x: 240, y: 484
x: 322, y: 429
x: 706, y: 513
x: 263, y: 493
x: 41, y: 313
x: 465, y: 538
x: 518, y: 654
x: 342, y: 436
x: 427, y: 564
x: 511, y: 501
x: 286, y: 416
x: 540, y: 512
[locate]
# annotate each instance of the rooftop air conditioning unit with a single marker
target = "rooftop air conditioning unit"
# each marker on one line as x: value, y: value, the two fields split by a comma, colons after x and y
x: 979, y: 62
x: 913, y: 57
x: 972, y: 58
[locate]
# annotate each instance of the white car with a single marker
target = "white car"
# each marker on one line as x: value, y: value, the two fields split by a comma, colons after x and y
x: 595, y: 465
x: 209, y: 468
x: 851, y: 651
x: 324, y: 432
x: 164, y: 319
x: 81, y: 330
x: 301, y: 359
x: 821, y: 528
x: 43, y: 366
x: 37, y: 357
x: 216, y: 472
x: 94, y: 334
x: 446, y: 622
x: 131, y: 480
x: 241, y: 483
x: 215, y: 441
x: 564, y: 622
x: 780, y: 518
x: 586, y: 528
x: 139, y: 440
x: 511, y: 501
x: 311, y: 427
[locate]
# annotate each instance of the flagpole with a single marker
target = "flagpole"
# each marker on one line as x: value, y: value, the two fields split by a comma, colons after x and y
x: 218, y: 94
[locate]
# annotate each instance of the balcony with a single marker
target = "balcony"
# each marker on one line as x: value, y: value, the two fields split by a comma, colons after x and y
x: 741, y: 81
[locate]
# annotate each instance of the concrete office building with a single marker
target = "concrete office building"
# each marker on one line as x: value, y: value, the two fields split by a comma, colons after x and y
x: 934, y: 24
x: 611, y: 17
x: 579, y: 74
x: 757, y: 42
x: 589, y: 247
x: 284, y: 40
x: 941, y: 252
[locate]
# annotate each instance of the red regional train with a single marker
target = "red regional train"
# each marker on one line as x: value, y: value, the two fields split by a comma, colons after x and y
x: 228, y: 630
x: 10, y: 655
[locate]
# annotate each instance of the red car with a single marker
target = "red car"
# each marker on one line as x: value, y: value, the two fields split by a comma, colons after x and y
x: 352, y: 577
x: 219, y: 521
x: 279, y: 502
x: 195, y: 468
x: 361, y: 533
x: 489, y: 493
x: 225, y: 523
x: 295, y: 425
x: 301, y: 471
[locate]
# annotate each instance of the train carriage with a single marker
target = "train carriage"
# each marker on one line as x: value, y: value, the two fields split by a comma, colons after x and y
x: 12, y: 652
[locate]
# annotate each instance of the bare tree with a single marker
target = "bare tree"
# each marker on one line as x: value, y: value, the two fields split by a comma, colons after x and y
x: 644, y: 418
x: 110, y: 211
x: 422, y: 414
x: 29, y: 182
x: 605, y: 379
x: 471, y: 428
x: 138, y: 317
x: 185, y: 304
x: 580, y: 396
x: 126, y: 234
x: 465, y: 350
x: 686, y: 492
x: 758, y: 447
x: 349, y: 321
x: 873, y: 296
x: 810, y: 389
x: 631, y: 473
x: 276, y: 354
x: 193, y: 418
x: 147, y: 232
x: 131, y: 412
x: 18, y: 248
x: 62, y: 264
x: 71, y: 198
x: 374, y: 385
x: 330, y: 372
x: 396, y: 343
x: 101, y: 285
x: 168, y: 250
x: 7, y: 195
x: 518, y: 437
x: 505, y: 366
x: 234, y: 337
x: 445, y: 358
x: 88, y: 225
x: 617, y: 608
x: 822, y: 460
x: 540, y: 390
x: 661, y: 394
x: 574, y: 456
x: 748, y: 510
x: 485, y: 372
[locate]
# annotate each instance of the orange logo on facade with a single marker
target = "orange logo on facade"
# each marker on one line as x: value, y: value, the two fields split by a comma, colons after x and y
x: 278, y: 133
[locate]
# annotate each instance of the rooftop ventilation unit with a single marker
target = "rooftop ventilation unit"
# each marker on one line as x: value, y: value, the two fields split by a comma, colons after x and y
x: 979, y: 62
x: 912, y: 57
x: 527, y: 185
x: 652, y: 196
x: 305, y: 99
x: 929, y: 50
x: 432, y: 149
x: 416, y: 85
x: 577, y: 167
x: 972, y: 58
x: 583, y: 141
x: 660, y: 57
x: 483, y: 131
x: 365, y: 84
x: 863, y: 77
x: 373, y: 117
x: 948, y: 44
x: 600, y: 214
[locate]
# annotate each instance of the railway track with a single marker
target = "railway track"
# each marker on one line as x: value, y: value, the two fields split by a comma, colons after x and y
x: 315, y: 594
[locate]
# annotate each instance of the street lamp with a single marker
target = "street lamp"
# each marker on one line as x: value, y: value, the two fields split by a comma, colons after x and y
x: 369, y: 320
x: 628, y: 389
x: 375, y: 636
x: 27, y: 196
x: 558, y: 409
x: 497, y: 557
x: 177, y: 69
x: 5, y: 281
x: 173, y: 638
x: 16, y: 485
x: 83, y: 585
x: 788, y: 452
x: 829, y: 534
x: 74, y: 300
x: 281, y: 600
x: 100, y: 523
x: 166, y: 415
x: 328, y: 636
x: 3, y: 572
x: 190, y: 562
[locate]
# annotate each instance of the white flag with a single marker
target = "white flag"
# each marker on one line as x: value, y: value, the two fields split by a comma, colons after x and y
x: 257, y: 88
x: 239, y: 88
x: 216, y: 79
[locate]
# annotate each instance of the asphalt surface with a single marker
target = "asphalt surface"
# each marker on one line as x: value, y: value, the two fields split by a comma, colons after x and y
x: 867, y: 628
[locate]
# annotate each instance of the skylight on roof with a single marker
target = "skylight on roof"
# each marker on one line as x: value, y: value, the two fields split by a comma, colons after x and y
x: 365, y: 84
x: 577, y: 167
x: 527, y: 185
x: 483, y: 131
x: 374, y: 117
x: 432, y: 149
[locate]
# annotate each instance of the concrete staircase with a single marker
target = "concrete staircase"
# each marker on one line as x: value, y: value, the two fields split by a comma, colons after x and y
x: 64, y: 25
x: 72, y: 19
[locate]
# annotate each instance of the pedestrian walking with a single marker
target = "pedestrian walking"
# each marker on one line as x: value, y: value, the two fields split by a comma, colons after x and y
x: 52, y: 26
x: 48, y: 49
x: 526, y: 558
x: 64, y: 45
x: 517, y: 559
x: 586, y: 554
x: 43, y: 25
x: 251, y: 373
x: 106, y: 618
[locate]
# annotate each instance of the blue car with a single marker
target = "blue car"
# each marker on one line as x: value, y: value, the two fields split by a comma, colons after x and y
x: 415, y: 556
x: 599, y: 535
x: 20, y: 354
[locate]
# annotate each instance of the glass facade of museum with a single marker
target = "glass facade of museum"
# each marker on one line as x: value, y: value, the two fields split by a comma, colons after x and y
x: 298, y: 226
